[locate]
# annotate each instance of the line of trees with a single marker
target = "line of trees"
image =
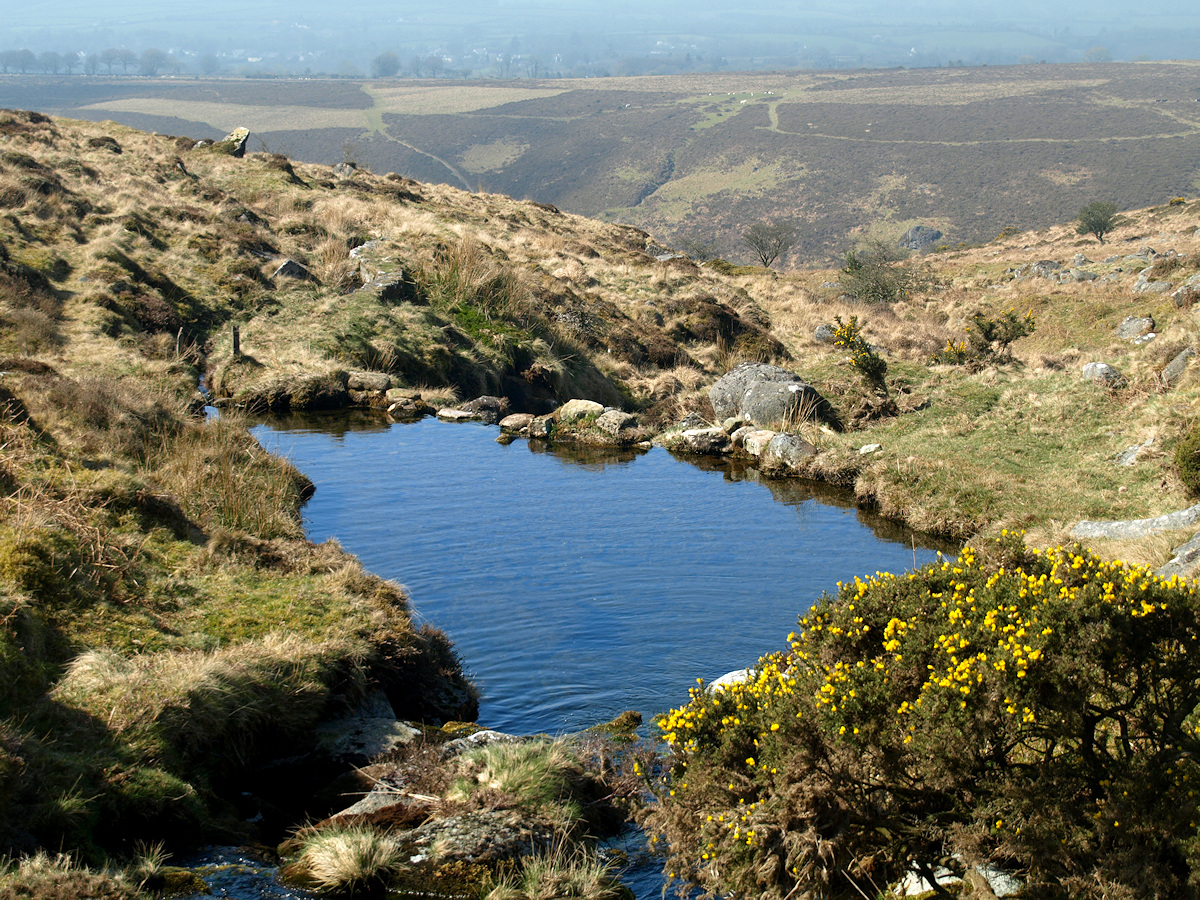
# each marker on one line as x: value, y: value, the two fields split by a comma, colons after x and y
x: 111, y: 61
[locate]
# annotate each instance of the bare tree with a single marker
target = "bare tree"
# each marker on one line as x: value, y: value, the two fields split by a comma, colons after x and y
x: 151, y: 61
x: 385, y: 65
x: 769, y: 240
x: 126, y: 58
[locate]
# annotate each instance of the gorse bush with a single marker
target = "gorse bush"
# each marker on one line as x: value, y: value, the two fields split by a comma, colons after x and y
x: 992, y: 338
x: 863, y: 357
x: 1187, y: 460
x: 1033, y: 710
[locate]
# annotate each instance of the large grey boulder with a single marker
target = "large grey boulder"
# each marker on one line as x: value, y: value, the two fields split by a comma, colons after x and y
x: 294, y: 270
x: 764, y: 394
x: 1185, y: 563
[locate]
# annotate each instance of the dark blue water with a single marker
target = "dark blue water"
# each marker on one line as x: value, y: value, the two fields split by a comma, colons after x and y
x: 577, y: 587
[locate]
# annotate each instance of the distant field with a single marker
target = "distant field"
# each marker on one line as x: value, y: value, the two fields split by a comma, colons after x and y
x: 841, y: 153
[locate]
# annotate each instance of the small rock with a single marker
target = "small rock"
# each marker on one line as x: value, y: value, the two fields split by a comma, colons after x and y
x: 369, y: 381
x: 1142, y: 286
x: 516, y: 423
x: 732, y: 424
x: 1130, y: 457
x: 1176, y: 367
x: 613, y: 421
x: 868, y: 449
x: 456, y: 415
x: 691, y: 420
x: 1103, y: 373
x: 408, y: 408
x: 1081, y: 260
x: 787, y: 451
x: 292, y: 269
x: 738, y: 436
x: 1082, y: 275
x: 345, y: 170
x: 1143, y: 339
x: 702, y: 441
x: 486, y: 408
x: 824, y: 334
x: 756, y: 442
x: 542, y: 427
x: 1134, y: 326
x: 573, y: 410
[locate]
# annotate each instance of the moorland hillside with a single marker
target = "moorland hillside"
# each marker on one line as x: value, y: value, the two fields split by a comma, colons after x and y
x: 966, y: 150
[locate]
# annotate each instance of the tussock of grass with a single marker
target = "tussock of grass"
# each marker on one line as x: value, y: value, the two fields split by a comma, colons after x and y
x: 536, y: 773
x: 224, y: 479
x: 561, y: 872
x: 232, y: 704
x: 61, y: 877
x: 349, y: 860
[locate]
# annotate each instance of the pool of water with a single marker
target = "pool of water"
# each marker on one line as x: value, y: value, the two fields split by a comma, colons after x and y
x: 579, y: 585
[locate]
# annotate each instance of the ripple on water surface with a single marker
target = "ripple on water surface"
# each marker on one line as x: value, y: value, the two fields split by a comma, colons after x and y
x: 572, y: 589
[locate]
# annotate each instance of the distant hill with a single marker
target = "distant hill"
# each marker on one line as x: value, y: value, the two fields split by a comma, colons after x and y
x: 967, y: 150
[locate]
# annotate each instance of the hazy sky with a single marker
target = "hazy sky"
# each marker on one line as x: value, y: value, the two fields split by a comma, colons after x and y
x: 584, y: 36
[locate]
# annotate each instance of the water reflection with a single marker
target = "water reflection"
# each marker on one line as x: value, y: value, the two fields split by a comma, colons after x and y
x: 579, y: 584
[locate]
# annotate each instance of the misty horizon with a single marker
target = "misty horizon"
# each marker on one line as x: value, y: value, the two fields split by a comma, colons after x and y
x: 493, y: 38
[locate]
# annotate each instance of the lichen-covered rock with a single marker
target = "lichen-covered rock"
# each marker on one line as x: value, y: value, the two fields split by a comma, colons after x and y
x: 1176, y: 367
x: 1103, y: 373
x: 920, y: 237
x: 486, y: 408
x: 1134, y: 326
x: 614, y: 421
x: 762, y: 394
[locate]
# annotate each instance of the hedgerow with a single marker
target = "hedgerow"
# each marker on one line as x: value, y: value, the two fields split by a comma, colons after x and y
x: 1031, y: 710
